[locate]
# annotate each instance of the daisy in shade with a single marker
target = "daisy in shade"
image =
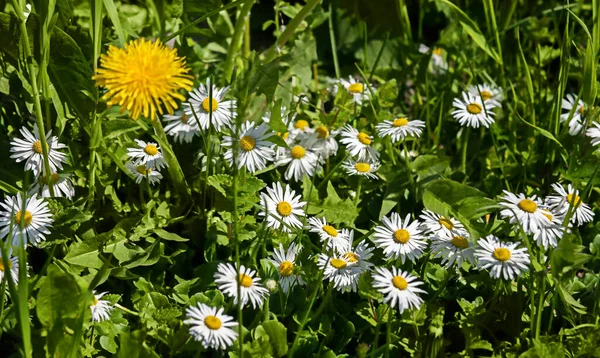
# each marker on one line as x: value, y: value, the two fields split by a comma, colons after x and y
x: 490, y: 93
x: 401, y: 289
x: 333, y: 238
x: 503, y: 259
x: 13, y: 267
x: 100, y: 308
x: 438, y: 64
x: 358, y: 143
x: 254, y: 150
x: 285, y: 262
x: 525, y: 210
x: 594, y: 133
x: 337, y: 269
x: 569, y: 199
x: 301, y: 159
x: 33, y: 215
x: 181, y: 127
x: 577, y: 121
x: 140, y: 173
x: 282, y: 208
x: 356, y: 89
x: 366, y: 168
x: 400, y: 238
x: 211, y: 108
x: 358, y: 256
x: 470, y: 111
x: 442, y: 226
x: 400, y: 128
x: 61, y: 183
x: 251, y: 289
x: 299, y: 127
x: 326, y: 145
x: 210, y: 326
x: 29, y: 149
x: 453, y: 251
x: 148, y: 154
x: 549, y: 235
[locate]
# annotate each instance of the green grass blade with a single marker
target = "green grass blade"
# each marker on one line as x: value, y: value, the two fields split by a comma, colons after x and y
x: 112, y: 12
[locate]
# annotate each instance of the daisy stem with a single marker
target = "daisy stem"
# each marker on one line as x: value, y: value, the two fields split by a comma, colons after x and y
x: 540, y: 309
x: 236, y: 39
x: 464, y: 151
x: 410, y: 177
x: 336, y: 65
x: 358, y: 188
x: 39, y: 118
x: 388, y: 336
x: 125, y: 309
x: 305, y: 318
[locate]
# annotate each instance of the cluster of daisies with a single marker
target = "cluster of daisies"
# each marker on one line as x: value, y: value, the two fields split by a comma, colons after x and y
x: 145, y: 160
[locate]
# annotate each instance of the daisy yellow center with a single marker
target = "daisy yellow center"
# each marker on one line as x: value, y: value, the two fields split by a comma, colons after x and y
x: 53, y: 179
x: 298, y: 152
x: 25, y: 218
x: 437, y: 51
x: 547, y: 214
x: 502, y: 254
x: 245, y: 280
x: 322, y: 132
x: 247, y: 143
x: 574, y: 200
x: 143, y: 77
x: 355, y: 88
x: 364, y: 138
x: 283, y: 135
x: 338, y: 263
x: 10, y: 264
x: 447, y: 223
x: 301, y: 124
x: 184, y: 118
x: 581, y: 110
x: 460, y: 242
x: 400, y: 122
x: 351, y: 257
x: 142, y: 170
x: 284, y: 208
x: 527, y: 205
x: 362, y: 167
x: 210, y: 104
x: 474, y: 108
x: 95, y: 301
x: 330, y: 230
x: 400, y: 283
x: 37, y: 147
x: 212, y: 322
x: 151, y: 149
x: 401, y: 236
x: 286, y: 268
x: 485, y: 95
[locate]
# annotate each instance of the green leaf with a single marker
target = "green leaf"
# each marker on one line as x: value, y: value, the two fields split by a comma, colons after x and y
x: 59, y: 297
x: 275, y: 121
x: 334, y: 208
x: 169, y: 236
x: 277, y: 334
x: 112, y: 12
x: 116, y: 127
x: 264, y: 79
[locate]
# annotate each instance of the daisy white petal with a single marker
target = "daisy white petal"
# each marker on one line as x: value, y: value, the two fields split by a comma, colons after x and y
x: 401, y: 289
x: 13, y: 266
x: 366, y: 168
x: 254, y: 151
x: 29, y: 149
x: 569, y: 199
x: 181, y: 127
x: 210, y: 326
x: 577, y: 121
x: 336, y: 269
x: 442, y: 226
x: 211, y: 110
x: 400, y: 128
x: 251, y: 289
x: 594, y: 133
x: 282, y: 208
x: 61, y: 183
x: 148, y: 154
x: 356, y: 89
x: 328, y: 234
x: 140, y: 173
x: 100, y: 308
x: 400, y: 238
x: 34, y: 215
x: 285, y: 262
x: 503, y: 259
x: 453, y: 251
x: 524, y: 210
x: 358, y: 144
x: 490, y: 93
x: 470, y: 111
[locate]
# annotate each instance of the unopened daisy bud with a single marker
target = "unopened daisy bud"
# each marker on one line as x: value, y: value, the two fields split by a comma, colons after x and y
x: 271, y: 285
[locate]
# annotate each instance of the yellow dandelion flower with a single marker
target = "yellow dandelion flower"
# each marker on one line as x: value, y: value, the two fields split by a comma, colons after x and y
x: 143, y: 77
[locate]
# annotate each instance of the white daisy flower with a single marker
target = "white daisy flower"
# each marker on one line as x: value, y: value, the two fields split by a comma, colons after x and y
x: 400, y: 128
x: 34, y: 216
x: 501, y: 258
x: 285, y: 262
x: 208, y: 109
x: 13, y: 266
x: 400, y: 238
x: 148, y: 154
x: 336, y: 269
x: 299, y: 127
x: 551, y: 233
x: 301, y: 159
x: 181, y: 127
x: 365, y: 168
x: 254, y: 150
x: 490, y: 93
x: 358, y: 143
x: 594, y: 133
x: 358, y: 256
x: 568, y: 199
x: 453, y: 251
x: 438, y: 64
x: 140, y: 173
x: 61, y: 183
x: 210, y: 326
x: 30, y: 150
x: 577, y: 122
x: 326, y: 145
x: 527, y: 211
x: 399, y: 287
x: 251, y: 289
x: 445, y: 227
x: 470, y: 111
x: 333, y: 238
x: 282, y: 209
x: 100, y: 308
x: 356, y: 89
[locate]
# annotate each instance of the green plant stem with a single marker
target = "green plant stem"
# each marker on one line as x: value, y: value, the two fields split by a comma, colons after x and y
x: 388, y: 335
x: 39, y: 118
x: 305, y: 318
x: 236, y: 40
x: 358, y: 189
x: 336, y: 64
x: 407, y: 162
x: 464, y: 151
x: 289, y: 30
x: 540, y: 308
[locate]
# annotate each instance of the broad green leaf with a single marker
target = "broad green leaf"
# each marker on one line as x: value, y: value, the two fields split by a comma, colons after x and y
x: 277, y: 334
x: 169, y: 236
x: 59, y: 297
